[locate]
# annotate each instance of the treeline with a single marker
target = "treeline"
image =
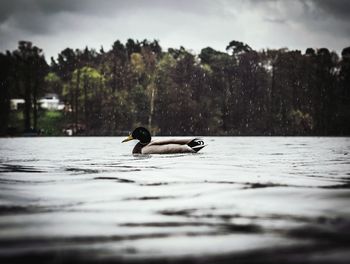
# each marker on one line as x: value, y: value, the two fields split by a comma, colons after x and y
x: 176, y: 92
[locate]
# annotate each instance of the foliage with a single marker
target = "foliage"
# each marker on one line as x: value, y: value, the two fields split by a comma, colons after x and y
x: 51, y: 123
x: 176, y: 92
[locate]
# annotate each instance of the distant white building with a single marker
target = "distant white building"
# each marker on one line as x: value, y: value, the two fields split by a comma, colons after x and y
x: 51, y: 102
x: 48, y: 102
x: 16, y: 102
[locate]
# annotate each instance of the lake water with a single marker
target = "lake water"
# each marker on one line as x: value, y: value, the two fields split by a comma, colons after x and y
x: 251, y: 199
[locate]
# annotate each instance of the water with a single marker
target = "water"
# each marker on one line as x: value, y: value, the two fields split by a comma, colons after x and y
x: 251, y: 199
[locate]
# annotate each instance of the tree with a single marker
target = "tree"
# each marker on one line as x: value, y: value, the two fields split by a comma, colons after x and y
x: 238, y: 92
x: 89, y: 91
x: 183, y: 99
x: 32, y: 66
x: 53, y: 83
x: 342, y: 125
x: 221, y: 68
x: 6, y: 69
x: 324, y: 91
x: 132, y: 47
x: 238, y: 47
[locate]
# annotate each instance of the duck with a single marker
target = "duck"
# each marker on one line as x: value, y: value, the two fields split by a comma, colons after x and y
x: 162, y: 146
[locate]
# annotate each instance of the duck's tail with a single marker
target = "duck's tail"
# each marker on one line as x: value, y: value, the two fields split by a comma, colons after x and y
x: 196, y: 144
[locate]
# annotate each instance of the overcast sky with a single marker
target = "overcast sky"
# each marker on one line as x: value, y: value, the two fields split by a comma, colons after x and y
x: 54, y: 25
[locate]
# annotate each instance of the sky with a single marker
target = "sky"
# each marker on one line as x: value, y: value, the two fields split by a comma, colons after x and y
x: 54, y: 25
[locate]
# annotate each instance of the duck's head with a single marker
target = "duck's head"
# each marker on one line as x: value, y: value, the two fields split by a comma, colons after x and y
x: 140, y: 133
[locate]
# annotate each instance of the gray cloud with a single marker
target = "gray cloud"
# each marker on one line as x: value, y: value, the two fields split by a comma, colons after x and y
x: 33, y: 16
x: 275, y: 20
x: 340, y: 9
x: 16, y: 8
x: 329, y: 17
x: 326, y: 17
x: 54, y: 25
x: 36, y: 16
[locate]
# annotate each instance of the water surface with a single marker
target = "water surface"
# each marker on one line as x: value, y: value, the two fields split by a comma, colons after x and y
x: 251, y: 199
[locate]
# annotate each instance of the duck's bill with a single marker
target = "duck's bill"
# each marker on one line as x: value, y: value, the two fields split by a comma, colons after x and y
x: 128, y: 139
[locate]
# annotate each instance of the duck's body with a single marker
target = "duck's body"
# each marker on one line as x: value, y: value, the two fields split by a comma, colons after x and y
x: 169, y: 146
x: 163, y: 146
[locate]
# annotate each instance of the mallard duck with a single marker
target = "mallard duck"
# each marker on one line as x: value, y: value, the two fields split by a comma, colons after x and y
x: 163, y: 146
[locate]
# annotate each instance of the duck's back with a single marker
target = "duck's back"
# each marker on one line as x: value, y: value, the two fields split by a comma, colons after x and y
x: 171, y: 146
x: 166, y: 149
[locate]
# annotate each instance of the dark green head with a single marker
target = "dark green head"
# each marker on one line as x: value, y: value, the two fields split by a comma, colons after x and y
x: 141, y: 134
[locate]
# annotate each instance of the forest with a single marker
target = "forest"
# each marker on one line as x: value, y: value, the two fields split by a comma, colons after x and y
x: 176, y: 91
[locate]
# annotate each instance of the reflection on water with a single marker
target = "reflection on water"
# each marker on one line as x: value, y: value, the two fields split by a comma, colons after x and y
x: 254, y: 200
